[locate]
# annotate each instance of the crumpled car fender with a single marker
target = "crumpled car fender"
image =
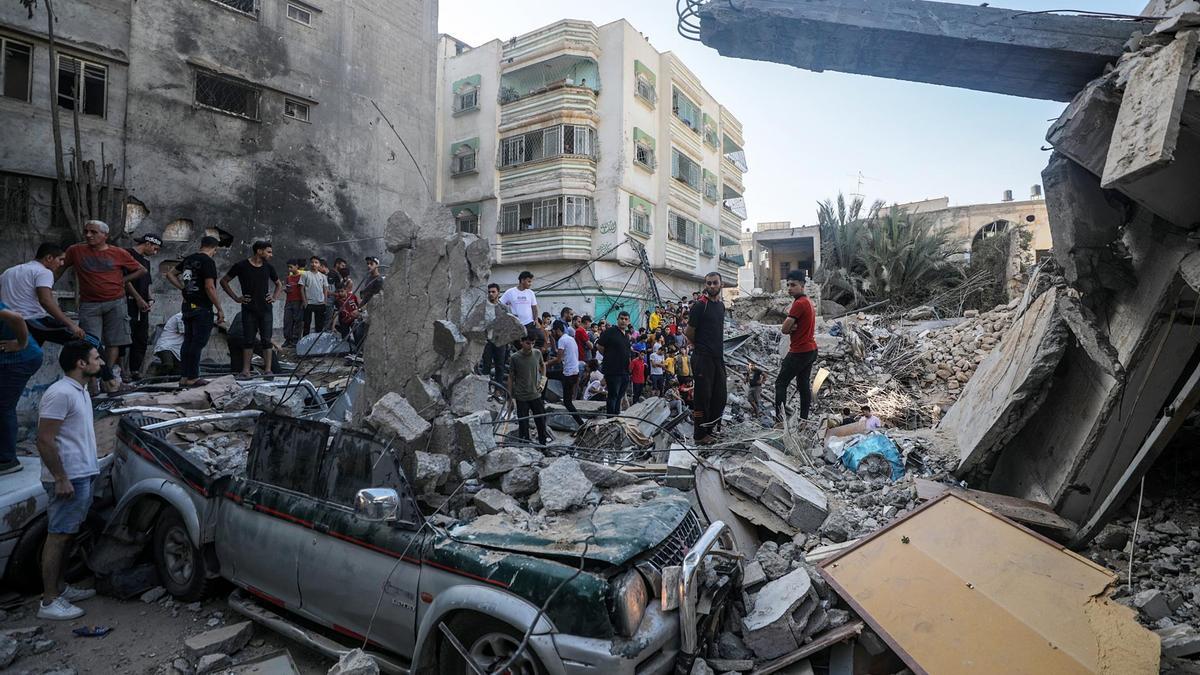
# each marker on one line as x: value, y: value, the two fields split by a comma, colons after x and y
x: 176, y: 496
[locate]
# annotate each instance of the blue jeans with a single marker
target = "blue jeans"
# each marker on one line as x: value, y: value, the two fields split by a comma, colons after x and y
x: 197, y: 326
x: 66, y: 514
x: 617, y: 384
x: 13, y: 377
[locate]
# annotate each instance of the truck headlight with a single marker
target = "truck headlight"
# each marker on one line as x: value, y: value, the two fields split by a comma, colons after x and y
x: 629, y: 599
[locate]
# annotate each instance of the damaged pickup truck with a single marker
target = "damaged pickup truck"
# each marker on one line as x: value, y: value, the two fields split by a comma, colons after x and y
x: 321, y: 533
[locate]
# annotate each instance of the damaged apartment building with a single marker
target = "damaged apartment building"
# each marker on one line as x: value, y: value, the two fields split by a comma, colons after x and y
x: 303, y: 122
x: 1097, y: 374
x: 574, y: 142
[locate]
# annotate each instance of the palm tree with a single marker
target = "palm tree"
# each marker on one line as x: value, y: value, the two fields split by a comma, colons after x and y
x: 842, y: 227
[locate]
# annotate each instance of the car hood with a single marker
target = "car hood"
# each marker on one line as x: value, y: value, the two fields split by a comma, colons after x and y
x: 631, y: 521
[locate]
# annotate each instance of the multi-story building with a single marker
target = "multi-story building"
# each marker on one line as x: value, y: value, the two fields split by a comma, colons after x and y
x: 573, y: 148
x: 249, y: 119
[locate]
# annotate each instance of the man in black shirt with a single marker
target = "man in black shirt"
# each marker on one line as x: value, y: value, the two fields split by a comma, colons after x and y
x: 196, y: 276
x: 706, y: 331
x: 614, y: 345
x: 255, y: 277
x: 139, y: 302
x: 373, y: 283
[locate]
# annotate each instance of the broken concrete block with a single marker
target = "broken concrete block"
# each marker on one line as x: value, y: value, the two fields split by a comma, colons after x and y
x: 506, y: 328
x: 1181, y: 640
x: 701, y: 667
x: 731, y: 665
x: 751, y: 477
x: 502, y: 460
x: 521, y: 481
x: 476, y: 434
x: 154, y: 594
x: 563, y: 485
x: 432, y: 471
x: 225, y: 640
x: 1112, y: 537
x: 1152, y: 603
x: 606, y: 475
x: 784, y: 492
x: 768, y: 629
x: 753, y: 575
x: 490, y: 501
x: 355, y: 662
x: 470, y: 395
x: 395, y: 418
x: 8, y: 650
x: 210, y: 662
x: 448, y: 341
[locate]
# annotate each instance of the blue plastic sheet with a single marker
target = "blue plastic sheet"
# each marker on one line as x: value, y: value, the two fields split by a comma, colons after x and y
x: 874, y: 444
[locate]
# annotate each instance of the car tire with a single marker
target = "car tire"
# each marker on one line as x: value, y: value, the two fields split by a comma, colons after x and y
x: 181, y: 566
x: 490, y: 640
x: 25, y: 564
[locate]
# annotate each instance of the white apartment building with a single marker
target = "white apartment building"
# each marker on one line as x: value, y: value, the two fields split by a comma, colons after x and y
x: 577, y: 143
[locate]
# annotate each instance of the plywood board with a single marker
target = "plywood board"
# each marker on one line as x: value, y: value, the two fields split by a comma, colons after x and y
x: 955, y: 588
x: 1147, y: 128
x: 1034, y: 514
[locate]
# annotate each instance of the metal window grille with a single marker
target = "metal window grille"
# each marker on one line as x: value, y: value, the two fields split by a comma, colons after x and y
x: 644, y: 155
x: 227, y: 95
x: 468, y: 223
x: 555, y: 141
x: 241, y: 5
x: 14, y: 200
x: 82, y: 84
x: 681, y: 229
x: 16, y: 70
x: 295, y: 110
x: 295, y: 13
x: 685, y: 170
x: 467, y: 100
x: 645, y: 91
x: 539, y: 214
x: 639, y: 221
x: 463, y: 161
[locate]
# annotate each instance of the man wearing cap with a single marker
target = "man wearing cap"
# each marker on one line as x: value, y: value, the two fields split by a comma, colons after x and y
x: 139, y: 302
x: 374, y: 282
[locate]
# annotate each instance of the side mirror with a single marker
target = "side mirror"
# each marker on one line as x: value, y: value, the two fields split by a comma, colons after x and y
x: 377, y: 504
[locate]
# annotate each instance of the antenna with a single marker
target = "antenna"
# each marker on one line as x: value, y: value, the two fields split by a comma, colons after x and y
x: 859, y: 189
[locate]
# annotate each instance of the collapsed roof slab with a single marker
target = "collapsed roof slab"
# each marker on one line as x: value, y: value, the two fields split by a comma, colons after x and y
x: 1033, y: 55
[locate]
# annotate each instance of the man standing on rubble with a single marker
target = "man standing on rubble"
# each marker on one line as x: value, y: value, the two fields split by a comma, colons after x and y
x: 613, y: 344
x: 196, y: 276
x: 568, y: 356
x: 525, y: 371
x: 706, y: 331
x: 494, y: 355
x: 139, y: 303
x: 255, y: 277
x: 522, y: 302
x: 314, y: 283
x: 802, y: 350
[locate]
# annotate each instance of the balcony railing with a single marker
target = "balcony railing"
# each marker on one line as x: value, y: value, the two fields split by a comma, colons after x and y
x: 736, y: 206
x: 738, y: 158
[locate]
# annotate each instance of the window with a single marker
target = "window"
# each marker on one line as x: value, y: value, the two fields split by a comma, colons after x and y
x: 784, y: 268
x: 295, y: 110
x: 14, y: 200
x: 639, y: 220
x: 644, y: 155
x: 685, y: 110
x: 685, y: 170
x: 711, y: 137
x: 710, y: 187
x: 708, y: 246
x: 466, y: 100
x: 246, y: 6
x: 537, y: 214
x: 16, y: 70
x: 467, y: 222
x: 463, y: 160
x: 561, y: 139
x: 681, y: 229
x: 227, y: 95
x: 82, y: 86
x: 645, y: 91
x: 298, y: 13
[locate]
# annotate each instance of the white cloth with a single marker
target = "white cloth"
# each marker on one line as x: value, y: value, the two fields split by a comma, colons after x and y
x: 521, y: 303
x: 656, y: 363
x: 314, y: 287
x: 171, y: 338
x: 570, y: 351
x: 18, y: 288
x: 593, y: 388
x: 873, y: 422
x: 69, y: 401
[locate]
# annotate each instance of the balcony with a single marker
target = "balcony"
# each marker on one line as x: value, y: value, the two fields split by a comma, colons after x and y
x: 733, y: 202
x: 578, y: 37
x: 735, y: 154
x: 565, y: 71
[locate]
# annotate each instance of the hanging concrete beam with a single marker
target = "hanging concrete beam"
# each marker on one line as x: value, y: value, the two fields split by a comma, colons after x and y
x: 1043, y: 56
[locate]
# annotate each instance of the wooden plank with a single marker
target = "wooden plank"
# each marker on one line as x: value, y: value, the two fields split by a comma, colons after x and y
x: 826, y: 639
x: 1151, y: 448
x: 1148, y: 124
x: 1021, y: 510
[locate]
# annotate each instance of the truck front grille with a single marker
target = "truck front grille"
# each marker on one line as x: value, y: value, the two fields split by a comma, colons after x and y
x: 673, y: 549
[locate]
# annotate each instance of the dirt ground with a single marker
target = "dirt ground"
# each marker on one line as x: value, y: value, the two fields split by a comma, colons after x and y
x: 144, y: 637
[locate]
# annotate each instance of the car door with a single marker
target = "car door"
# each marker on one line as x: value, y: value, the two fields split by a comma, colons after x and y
x: 361, y: 576
x: 265, y: 520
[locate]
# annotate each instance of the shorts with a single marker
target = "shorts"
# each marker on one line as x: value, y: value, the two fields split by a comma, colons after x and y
x: 257, y: 322
x: 108, y: 321
x: 65, y: 516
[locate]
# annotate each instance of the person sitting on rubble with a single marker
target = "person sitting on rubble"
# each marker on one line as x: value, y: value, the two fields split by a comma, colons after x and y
x: 169, y: 345
x: 686, y: 390
x: 872, y: 421
x: 848, y: 417
x: 595, y: 389
x: 525, y: 371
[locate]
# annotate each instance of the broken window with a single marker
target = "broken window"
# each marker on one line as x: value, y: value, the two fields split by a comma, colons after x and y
x: 685, y: 110
x: 537, y: 214
x: 639, y: 220
x: 246, y: 6
x: 297, y: 12
x: 295, y: 110
x: 14, y: 200
x: 685, y: 169
x: 227, y: 95
x: 645, y: 91
x: 681, y: 229
x: 16, y: 70
x: 555, y: 141
x: 644, y: 155
x: 82, y: 86
x: 466, y: 100
x: 463, y: 160
x: 285, y: 452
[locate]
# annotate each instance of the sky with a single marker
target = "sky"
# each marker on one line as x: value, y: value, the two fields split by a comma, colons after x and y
x: 810, y: 135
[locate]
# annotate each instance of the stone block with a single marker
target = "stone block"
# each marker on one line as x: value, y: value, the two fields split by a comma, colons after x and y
x: 395, y: 418
x: 502, y: 460
x: 563, y: 485
x: 425, y: 396
x: 448, y: 340
x: 521, y: 481
x: 432, y: 471
x: 731, y: 665
x: 355, y: 662
x: 506, y: 328
x: 750, y: 477
x: 753, y: 575
x: 210, y: 662
x: 1179, y: 641
x: 606, y: 475
x: 225, y: 640
x: 491, y: 501
x: 470, y: 395
x: 768, y: 629
x: 476, y: 434
x: 1152, y: 603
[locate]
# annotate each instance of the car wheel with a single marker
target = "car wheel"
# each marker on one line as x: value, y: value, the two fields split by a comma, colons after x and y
x: 181, y: 566
x: 25, y: 564
x: 489, y: 643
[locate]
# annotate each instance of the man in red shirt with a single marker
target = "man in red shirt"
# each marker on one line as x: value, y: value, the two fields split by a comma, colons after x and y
x: 637, y: 375
x: 102, y: 272
x: 583, y: 338
x: 802, y: 352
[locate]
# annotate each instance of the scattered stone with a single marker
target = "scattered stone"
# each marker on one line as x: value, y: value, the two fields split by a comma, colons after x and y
x: 432, y: 471
x: 43, y: 646
x: 1181, y: 640
x: 355, y: 662
x: 1168, y: 527
x: 606, y: 475
x: 394, y: 417
x: 563, y: 485
x: 502, y: 460
x: 1152, y: 603
x: 194, y: 607
x: 489, y: 501
x: 154, y: 594
x: 731, y: 665
x: 448, y: 341
x: 471, y: 394
x: 476, y: 435
x: 181, y: 665
x: 8, y: 650
x: 521, y: 481
x: 211, y: 662
x: 213, y: 622
x: 731, y: 647
x: 838, y: 618
x: 227, y: 640
x: 753, y: 575
x: 768, y: 630
x: 22, y: 633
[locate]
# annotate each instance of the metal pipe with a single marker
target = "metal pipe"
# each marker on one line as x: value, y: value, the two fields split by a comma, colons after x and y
x: 687, y: 585
x: 214, y: 417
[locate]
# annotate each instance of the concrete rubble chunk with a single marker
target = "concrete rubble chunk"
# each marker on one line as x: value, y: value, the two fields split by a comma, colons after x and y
x: 502, y: 460
x: 785, y: 493
x: 476, y: 435
x: 355, y: 662
x: 154, y: 594
x: 606, y: 475
x: 471, y: 394
x: 521, y: 481
x: 8, y: 650
x: 1178, y: 641
x: 225, y: 640
x: 1152, y: 603
x: 426, y: 397
x: 490, y: 501
x: 563, y: 485
x: 448, y: 341
x: 731, y: 665
x: 768, y: 629
x: 506, y: 328
x: 210, y: 662
x: 395, y: 418
x: 701, y: 667
x: 432, y: 471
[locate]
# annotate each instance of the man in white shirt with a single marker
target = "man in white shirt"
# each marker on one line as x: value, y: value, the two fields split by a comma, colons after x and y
x: 314, y: 283
x: 28, y: 290
x: 66, y: 441
x: 170, y: 344
x: 522, y: 302
x: 657, y: 381
x: 568, y: 356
